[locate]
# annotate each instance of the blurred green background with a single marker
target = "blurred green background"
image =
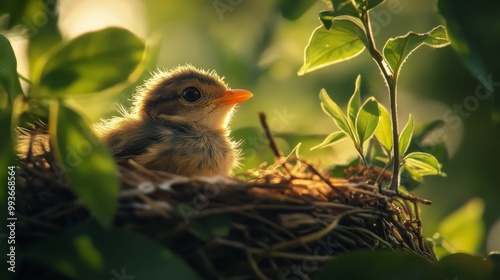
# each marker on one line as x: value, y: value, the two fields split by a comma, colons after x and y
x: 257, y: 48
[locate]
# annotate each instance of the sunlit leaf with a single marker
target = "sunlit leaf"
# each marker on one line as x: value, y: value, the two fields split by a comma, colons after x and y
x: 397, y: 50
x: 367, y: 120
x: 333, y: 110
x: 405, y: 136
x: 376, y: 265
x: 354, y: 104
x: 90, y: 252
x: 410, y: 179
x: 86, y: 162
x: 423, y: 163
x: 384, y: 129
x: 345, y: 39
x: 9, y: 81
x: 331, y: 139
x: 209, y: 227
x: 89, y: 63
x: 464, y: 229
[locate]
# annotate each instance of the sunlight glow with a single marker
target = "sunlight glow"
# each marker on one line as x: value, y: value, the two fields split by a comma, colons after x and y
x: 78, y: 17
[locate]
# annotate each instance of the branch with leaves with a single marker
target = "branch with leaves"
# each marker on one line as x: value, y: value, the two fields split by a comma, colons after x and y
x: 90, y: 64
x: 346, y: 32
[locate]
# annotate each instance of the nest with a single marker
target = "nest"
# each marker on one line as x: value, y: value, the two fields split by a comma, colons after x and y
x: 285, y: 219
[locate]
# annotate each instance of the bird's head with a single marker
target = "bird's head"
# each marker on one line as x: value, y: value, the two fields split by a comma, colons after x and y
x: 187, y: 95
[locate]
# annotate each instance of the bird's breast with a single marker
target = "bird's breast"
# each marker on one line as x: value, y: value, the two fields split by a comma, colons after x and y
x: 191, y: 153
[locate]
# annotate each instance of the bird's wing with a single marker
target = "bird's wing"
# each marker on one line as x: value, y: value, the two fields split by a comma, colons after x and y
x: 132, y: 139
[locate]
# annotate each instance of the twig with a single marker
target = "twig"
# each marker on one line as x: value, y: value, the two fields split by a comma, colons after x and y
x: 208, y: 264
x: 154, y: 206
x: 315, y: 235
x: 270, y: 137
x: 317, y: 173
x: 255, y: 266
x: 277, y: 153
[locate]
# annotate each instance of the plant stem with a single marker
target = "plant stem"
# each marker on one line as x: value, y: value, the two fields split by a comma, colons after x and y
x: 363, y: 158
x: 24, y: 78
x: 395, y: 136
x: 391, y: 84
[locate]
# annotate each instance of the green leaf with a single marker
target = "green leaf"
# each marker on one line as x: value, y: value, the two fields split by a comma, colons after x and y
x: 422, y: 163
x: 376, y: 265
x: 345, y: 40
x: 464, y: 229
x: 89, y: 252
x: 427, y: 138
x: 209, y: 227
x: 344, y: 8
x: 292, y: 10
x: 337, y: 4
x: 45, y: 38
x: 397, y: 50
x: 9, y: 81
x: 16, y: 10
x: 333, y: 110
x: 326, y: 17
x: 89, y: 63
x: 370, y: 4
x: 384, y: 129
x: 331, y: 139
x: 405, y: 137
x: 463, y: 266
x: 410, y: 179
x: 354, y: 104
x: 367, y: 120
x: 86, y: 162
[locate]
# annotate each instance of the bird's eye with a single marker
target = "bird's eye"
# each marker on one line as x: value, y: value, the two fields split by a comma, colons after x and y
x: 191, y: 94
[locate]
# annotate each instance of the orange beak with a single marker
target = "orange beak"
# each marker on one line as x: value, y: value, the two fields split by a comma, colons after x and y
x: 232, y: 96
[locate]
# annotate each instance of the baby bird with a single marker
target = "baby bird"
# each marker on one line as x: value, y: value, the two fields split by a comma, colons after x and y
x: 178, y: 123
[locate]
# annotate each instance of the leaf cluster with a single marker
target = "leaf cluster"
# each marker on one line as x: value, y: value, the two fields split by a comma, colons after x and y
x: 344, y: 34
x: 369, y: 122
x: 86, y: 65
